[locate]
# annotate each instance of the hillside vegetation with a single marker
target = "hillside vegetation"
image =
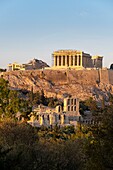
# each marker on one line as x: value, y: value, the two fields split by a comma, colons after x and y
x: 88, y: 147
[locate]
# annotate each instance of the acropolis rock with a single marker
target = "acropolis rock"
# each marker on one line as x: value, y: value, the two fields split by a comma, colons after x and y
x: 96, y: 83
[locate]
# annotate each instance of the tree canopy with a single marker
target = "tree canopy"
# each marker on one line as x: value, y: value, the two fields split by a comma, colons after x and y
x: 88, y: 147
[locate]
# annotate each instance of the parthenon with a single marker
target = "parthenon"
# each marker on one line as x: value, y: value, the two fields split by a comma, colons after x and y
x: 75, y: 59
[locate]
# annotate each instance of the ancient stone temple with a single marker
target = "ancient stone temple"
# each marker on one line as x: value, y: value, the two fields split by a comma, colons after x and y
x: 75, y: 59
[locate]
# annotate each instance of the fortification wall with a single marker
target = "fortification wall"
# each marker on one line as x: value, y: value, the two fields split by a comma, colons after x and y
x: 110, y: 73
x: 86, y: 76
x: 104, y: 76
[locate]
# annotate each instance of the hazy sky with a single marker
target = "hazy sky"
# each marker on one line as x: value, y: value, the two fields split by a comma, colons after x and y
x: 35, y: 28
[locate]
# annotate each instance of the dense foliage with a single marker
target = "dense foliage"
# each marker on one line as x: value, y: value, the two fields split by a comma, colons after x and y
x: 10, y: 102
x: 39, y: 98
x: 23, y: 147
x: 88, y: 147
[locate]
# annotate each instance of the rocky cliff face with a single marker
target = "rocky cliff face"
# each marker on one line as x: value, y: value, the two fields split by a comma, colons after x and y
x: 59, y: 83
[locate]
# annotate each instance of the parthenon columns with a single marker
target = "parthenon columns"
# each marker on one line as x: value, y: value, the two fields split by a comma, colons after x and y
x: 74, y: 60
x: 57, y: 60
x: 66, y: 60
x: 77, y: 60
x: 61, y: 60
x: 69, y: 60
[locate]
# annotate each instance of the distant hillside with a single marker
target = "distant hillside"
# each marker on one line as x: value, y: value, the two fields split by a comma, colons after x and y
x: 59, y: 83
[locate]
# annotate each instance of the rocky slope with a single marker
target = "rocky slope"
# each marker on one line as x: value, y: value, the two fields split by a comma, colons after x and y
x: 59, y: 83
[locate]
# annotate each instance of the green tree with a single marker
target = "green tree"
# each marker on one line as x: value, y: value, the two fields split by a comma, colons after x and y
x: 99, y: 147
x: 10, y: 101
x: 18, y: 144
x: 4, y: 92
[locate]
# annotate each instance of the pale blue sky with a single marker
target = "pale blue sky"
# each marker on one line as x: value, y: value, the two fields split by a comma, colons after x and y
x: 35, y: 28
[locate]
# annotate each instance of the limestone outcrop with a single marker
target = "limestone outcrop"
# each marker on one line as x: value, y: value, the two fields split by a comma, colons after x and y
x: 59, y: 83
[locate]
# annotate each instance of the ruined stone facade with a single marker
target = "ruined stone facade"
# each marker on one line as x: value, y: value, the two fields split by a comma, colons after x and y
x: 46, y: 116
x: 75, y: 59
x: 71, y: 106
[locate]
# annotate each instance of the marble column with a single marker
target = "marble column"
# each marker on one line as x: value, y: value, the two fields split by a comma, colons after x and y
x: 62, y: 119
x: 73, y: 60
x: 41, y: 120
x: 57, y: 60
x: 77, y: 60
x: 69, y: 60
x: 61, y: 60
x: 66, y: 60
x: 51, y: 119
